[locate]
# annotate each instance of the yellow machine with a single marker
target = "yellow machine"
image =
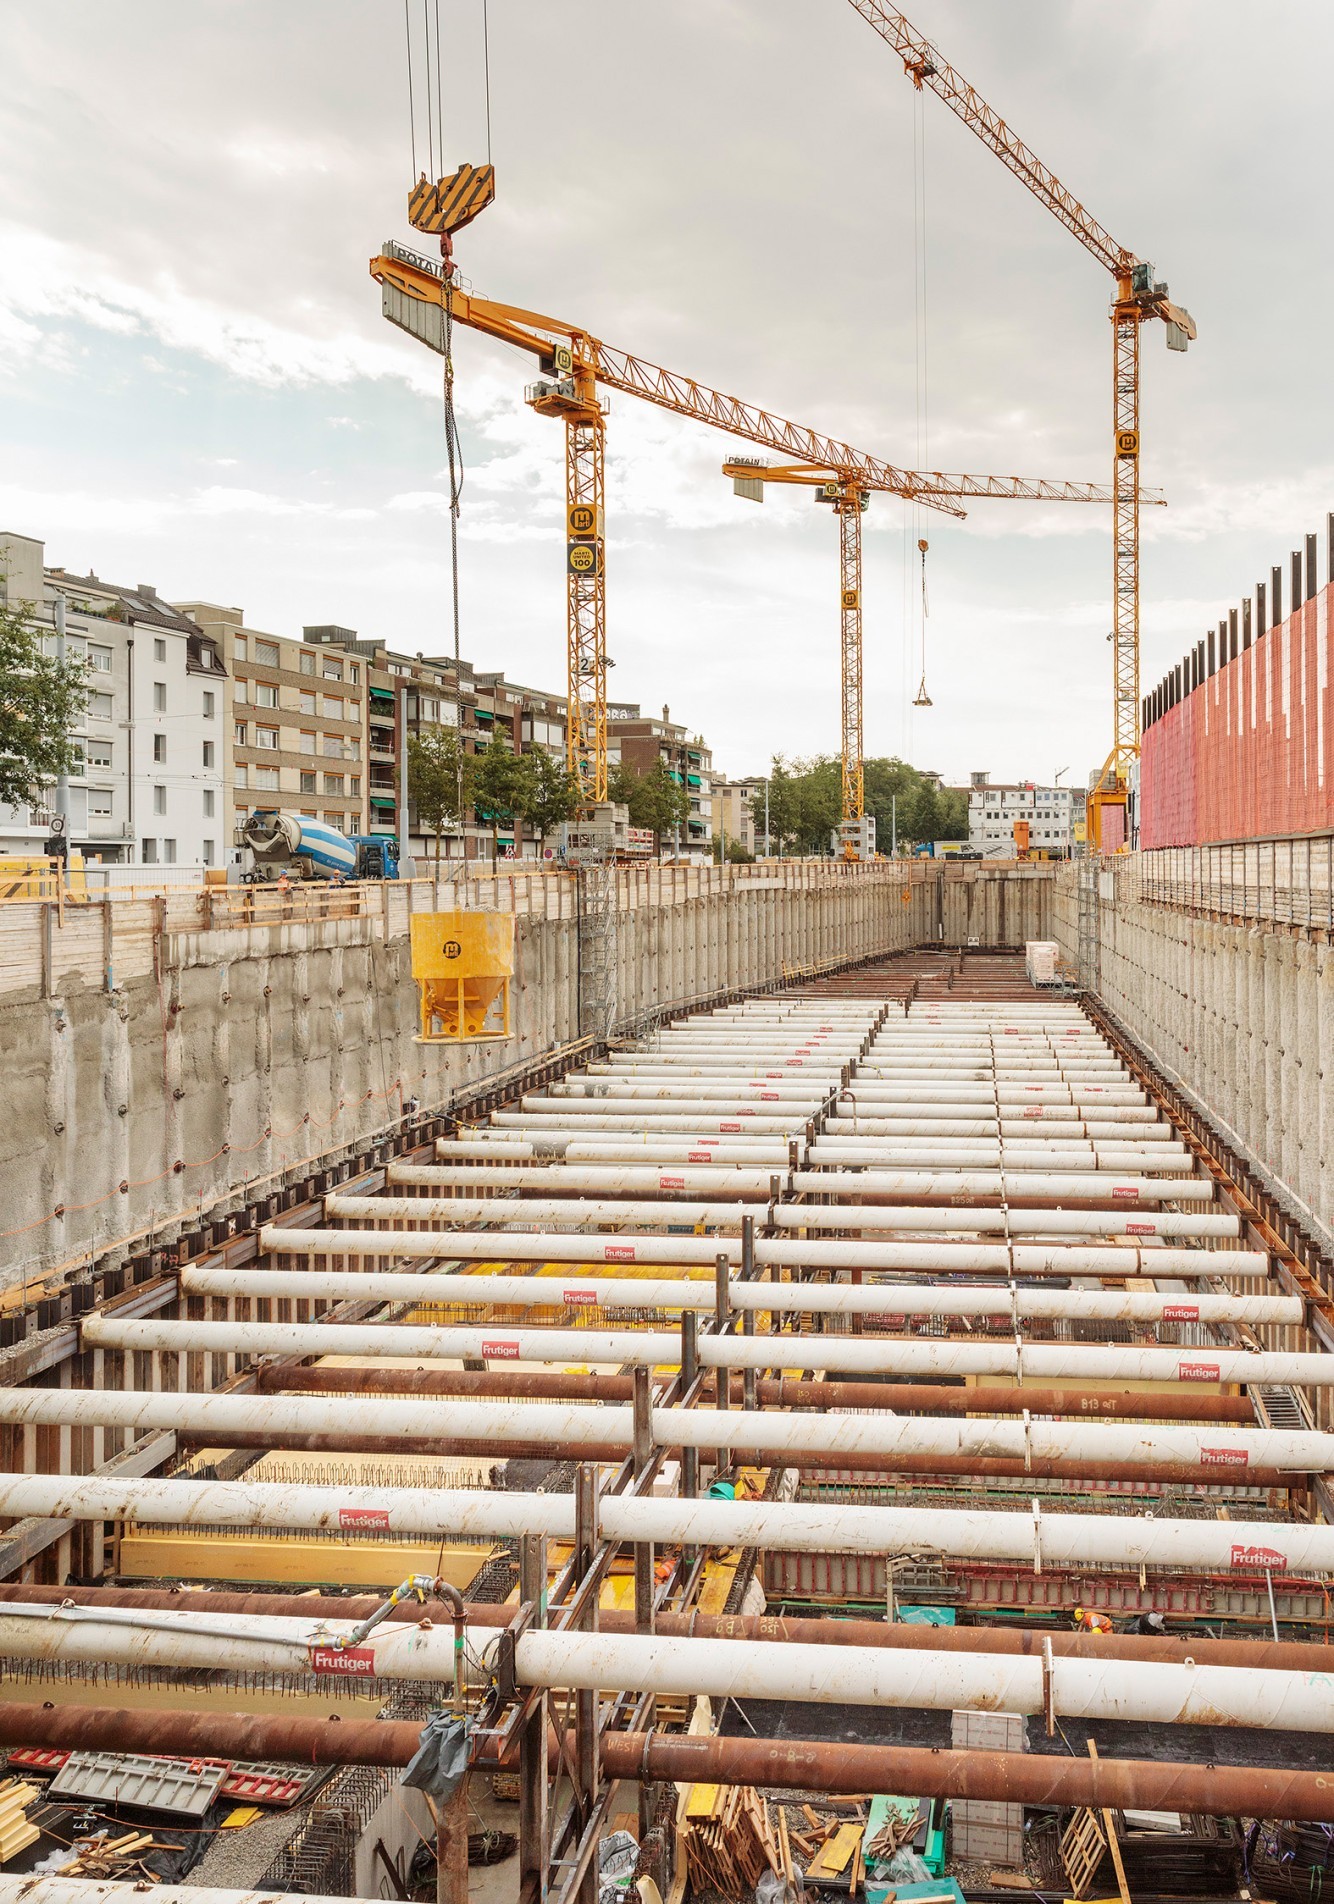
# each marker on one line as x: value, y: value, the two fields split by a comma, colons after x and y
x: 463, y: 962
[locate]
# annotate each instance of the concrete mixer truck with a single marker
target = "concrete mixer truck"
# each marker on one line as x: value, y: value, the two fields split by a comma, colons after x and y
x: 290, y: 843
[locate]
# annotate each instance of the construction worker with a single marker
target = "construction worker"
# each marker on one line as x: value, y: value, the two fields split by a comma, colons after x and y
x: 1089, y: 1621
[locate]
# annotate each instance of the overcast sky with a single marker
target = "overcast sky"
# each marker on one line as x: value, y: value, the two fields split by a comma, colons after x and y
x: 197, y: 388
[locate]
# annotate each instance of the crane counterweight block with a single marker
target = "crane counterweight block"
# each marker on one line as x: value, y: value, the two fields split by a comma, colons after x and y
x: 453, y: 202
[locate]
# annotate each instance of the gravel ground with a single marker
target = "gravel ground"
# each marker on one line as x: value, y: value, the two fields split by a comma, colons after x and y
x: 237, y: 1859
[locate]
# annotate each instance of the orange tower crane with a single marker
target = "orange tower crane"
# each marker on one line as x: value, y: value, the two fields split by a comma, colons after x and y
x: 1138, y: 298
x: 849, y: 498
x: 424, y: 298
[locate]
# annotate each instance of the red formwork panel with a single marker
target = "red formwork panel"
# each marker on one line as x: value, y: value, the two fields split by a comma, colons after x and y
x: 1250, y: 753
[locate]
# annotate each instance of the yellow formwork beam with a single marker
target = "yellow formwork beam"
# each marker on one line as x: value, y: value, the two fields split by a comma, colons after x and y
x: 362, y: 1563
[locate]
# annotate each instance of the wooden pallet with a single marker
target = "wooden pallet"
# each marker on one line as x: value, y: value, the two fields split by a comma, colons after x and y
x: 1082, y: 1848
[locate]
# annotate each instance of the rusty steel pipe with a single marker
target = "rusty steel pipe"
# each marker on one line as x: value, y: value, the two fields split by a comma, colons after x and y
x: 786, y: 1765
x: 1024, y: 1778
x: 924, y: 1398
x: 812, y: 1461
x: 1262, y: 1655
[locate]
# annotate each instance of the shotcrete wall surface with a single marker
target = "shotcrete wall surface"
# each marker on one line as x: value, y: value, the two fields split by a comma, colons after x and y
x: 163, y: 1057
x: 1239, y: 1016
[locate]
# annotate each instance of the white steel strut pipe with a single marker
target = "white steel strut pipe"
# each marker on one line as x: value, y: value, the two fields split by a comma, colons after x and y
x: 877, y: 1154
x: 993, y: 1183
x: 1097, y: 1070
x: 818, y: 1252
x: 1055, y: 1540
x: 612, y: 1180
x: 569, y: 1147
x: 609, y: 1180
x: 909, y: 1105
x: 780, y: 1437
x: 1146, y: 1692
x: 651, y: 1123
x: 720, y: 1215
x: 1037, y: 1362
x: 609, y: 1292
x: 699, y: 1091
x: 793, y: 1109
x: 1052, y: 1126
x: 1000, y: 1091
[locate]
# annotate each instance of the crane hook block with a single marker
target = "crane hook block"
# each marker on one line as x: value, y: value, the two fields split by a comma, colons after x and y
x: 453, y: 202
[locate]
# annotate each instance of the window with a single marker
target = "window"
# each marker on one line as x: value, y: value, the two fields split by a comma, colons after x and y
x: 169, y: 852
x: 99, y: 706
x: 267, y: 778
x: 354, y: 674
x: 267, y: 737
x: 307, y: 741
x: 77, y: 764
x: 333, y: 747
x: 159, y: 750
x: 159, y: 697
x: 208, y: 852
x: 150, y: 853
x: 241, y: 692
x: 307, y: 783
x: 333, y: 670
x: 98, y: 753
x: 352, y: 750
x: 333, y: 783
x: 159, y: 799
x: 99, y: 659
x: 238, y: 648
x: 430, y: 709
x: 209, y: 698
x: 266, y: 695
x: 242, y: 774
x: 307, y: 701
x: 239, y: 733
x: 355, y: 785
x: 308, y: 667
x: 332, y: 708
x: 99, y: 803
x: 266, y: 653
x: 208, y: 803
x: 208, y: 753
x: 334, y: 820
x: 159, y: 649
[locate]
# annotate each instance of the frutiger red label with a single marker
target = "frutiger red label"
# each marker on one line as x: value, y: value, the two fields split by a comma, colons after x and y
x: 619, y: 1253
x: 1125, y: 1190
x: 1141, y: 1229
x: 1197, y: 1372
x: 501, y: 1351
x: 363, y: 1517
x: 698, y: 1157
x: 1224, y: 1457
x: 1263, y: 1559
x: 343, y: 1662
x: 729, y: 1127
x: 574, y: 1297
x: 1181, y: 1312
x: 671, y: 1183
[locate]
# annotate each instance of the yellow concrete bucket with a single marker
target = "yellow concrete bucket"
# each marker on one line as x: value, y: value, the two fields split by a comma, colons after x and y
x: 463, y: 963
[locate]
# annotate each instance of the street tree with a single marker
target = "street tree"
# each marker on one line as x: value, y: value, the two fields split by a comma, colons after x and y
x: 439, y: 780
x: 41, y: 700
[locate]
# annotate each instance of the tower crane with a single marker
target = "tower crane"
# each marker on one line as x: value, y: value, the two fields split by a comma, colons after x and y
x: 849, y: 496
x: 424, y: 298
x: 1138, y: 298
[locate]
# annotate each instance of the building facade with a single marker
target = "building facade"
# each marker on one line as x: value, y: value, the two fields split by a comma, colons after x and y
x: 642, y: 742
x: 296, y: 724
x: 738, y: 814
x: 149, y: 786
x: 1045, y: 817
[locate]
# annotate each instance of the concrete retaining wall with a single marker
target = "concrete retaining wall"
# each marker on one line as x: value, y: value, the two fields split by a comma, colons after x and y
x: 1239, y: 1016
x: 197, y: 1063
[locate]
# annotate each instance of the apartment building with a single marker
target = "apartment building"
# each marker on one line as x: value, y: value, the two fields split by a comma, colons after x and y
x: 148, y: 789
x: 295, y: 722
x: 1048, y: 813
x: 642, y: 742
x: 738, y: 813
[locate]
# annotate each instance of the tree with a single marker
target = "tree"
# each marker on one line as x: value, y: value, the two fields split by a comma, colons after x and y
x: 552, y: 794
x: 502, y: 781
x: 41, y: 699
x: 656, y: 802
x: 439, y: 780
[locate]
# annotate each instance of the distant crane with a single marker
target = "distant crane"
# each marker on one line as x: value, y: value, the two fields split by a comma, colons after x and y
x: 849, y: 497
x: 425, y: 299
x: 1138, y: 298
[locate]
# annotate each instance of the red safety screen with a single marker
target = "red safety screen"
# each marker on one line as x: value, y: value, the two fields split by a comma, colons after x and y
x: 1248, y: 754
